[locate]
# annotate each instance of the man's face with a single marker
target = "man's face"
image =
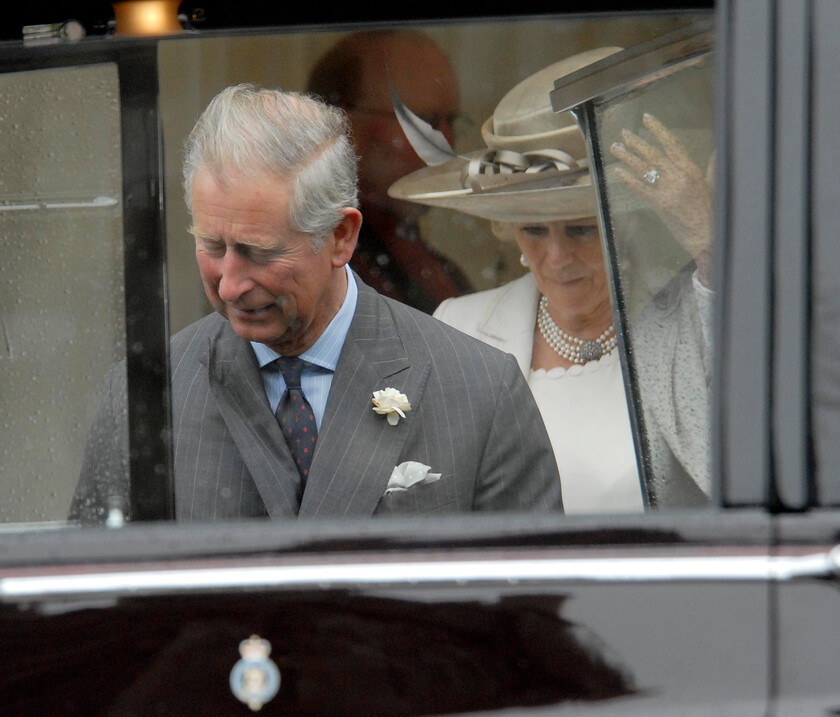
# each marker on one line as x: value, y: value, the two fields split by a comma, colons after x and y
x: 427, y: 85
x: 259, y: 273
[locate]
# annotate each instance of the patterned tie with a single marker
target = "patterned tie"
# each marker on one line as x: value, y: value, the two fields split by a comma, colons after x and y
x: 295, y: 416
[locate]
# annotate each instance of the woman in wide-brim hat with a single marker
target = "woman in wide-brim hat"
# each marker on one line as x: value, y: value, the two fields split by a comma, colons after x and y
x: 533, y: 183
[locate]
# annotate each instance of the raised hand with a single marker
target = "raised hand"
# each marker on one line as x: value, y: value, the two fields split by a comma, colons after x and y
x: 669, y: 180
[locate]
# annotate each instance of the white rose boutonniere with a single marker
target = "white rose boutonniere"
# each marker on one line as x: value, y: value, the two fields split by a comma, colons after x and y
x: 391, y: 403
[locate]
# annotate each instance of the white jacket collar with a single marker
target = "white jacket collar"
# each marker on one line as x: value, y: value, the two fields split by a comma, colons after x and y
x: 510, y: 319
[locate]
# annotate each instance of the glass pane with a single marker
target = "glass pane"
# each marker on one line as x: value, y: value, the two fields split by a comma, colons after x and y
x: 62, y: 266
x: 655, y: 143
x: 246, y: 452
x: 193, y: 70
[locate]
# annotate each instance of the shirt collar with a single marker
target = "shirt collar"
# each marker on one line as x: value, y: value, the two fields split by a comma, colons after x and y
x: 327, y: 348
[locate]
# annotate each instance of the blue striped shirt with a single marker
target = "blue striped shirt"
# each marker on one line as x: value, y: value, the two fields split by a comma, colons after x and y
x: 316, y: 379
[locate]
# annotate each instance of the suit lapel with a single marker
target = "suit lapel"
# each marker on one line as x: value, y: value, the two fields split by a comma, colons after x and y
x: 357, y: 449
x: 237, y: 386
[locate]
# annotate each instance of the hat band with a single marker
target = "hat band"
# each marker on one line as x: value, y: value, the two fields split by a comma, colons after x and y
x: 506, y: 161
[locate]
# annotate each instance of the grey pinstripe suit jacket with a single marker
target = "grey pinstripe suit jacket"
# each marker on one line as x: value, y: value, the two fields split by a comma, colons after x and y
x: 473, y: 420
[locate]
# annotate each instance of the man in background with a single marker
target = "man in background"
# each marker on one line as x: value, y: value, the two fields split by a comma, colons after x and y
x: 354, y: 75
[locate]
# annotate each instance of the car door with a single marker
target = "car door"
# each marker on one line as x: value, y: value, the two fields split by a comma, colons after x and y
x: 781, y: 202
x: 716, y: 609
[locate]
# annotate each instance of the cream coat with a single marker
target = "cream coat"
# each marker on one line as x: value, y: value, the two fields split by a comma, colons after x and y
x: 502, y: 317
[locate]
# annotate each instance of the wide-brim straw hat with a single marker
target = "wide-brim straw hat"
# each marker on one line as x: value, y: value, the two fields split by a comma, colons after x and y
x: 534, y: 167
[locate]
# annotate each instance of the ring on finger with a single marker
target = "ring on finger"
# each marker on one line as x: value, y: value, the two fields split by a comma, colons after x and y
x: 651, y: 176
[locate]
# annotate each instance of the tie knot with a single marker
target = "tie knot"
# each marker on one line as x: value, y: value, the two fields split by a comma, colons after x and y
x: 290, y: 367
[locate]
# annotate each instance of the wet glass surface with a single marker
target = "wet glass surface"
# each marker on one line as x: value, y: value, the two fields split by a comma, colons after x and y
x: 61, y: 262
x: 655, y: 143
x: 63, y: 305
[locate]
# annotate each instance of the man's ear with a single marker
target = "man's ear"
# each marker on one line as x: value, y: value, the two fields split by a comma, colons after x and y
x: 345, y: 236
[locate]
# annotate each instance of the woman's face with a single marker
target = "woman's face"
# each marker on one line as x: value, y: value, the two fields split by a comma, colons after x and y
x: 565, y: 258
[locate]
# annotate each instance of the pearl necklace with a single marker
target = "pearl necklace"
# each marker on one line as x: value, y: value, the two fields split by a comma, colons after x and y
x: 570, y: 347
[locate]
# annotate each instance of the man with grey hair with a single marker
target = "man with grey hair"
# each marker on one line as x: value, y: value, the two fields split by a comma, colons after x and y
x: 307, y: 393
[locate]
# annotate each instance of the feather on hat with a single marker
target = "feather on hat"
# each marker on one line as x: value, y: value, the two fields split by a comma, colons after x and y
x: 534, y: 167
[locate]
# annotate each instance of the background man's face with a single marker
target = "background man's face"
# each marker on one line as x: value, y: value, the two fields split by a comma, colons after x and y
x: 426, y: 83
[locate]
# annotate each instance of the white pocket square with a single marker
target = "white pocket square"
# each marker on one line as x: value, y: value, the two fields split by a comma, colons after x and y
x: 408, y: 474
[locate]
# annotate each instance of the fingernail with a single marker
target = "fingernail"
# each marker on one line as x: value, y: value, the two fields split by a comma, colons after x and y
x: 648, y: 116
x: 617, y: 145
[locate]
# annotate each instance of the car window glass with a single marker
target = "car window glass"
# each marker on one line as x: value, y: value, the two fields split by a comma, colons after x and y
x: 64, y: 304
x: 63, y: 316
x: 654, y: 142
x: 598, y: 426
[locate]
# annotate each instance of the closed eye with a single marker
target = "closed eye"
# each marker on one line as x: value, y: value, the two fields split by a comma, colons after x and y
x: 582, y: 231
x: 258, y: 255
x: 535, y: 231
x: 217, y: 248
x: 212, y: 247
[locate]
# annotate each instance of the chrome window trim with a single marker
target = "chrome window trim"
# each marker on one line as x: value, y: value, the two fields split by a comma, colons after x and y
x: 761, y: 566
x: 634, y: 67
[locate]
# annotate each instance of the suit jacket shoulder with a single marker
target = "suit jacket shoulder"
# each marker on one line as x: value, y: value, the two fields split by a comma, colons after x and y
x: 424, y: 335
x: 194, y: 340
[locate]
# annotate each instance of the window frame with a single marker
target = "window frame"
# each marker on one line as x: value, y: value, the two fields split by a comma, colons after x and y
x: 744, y: 477
x: 146, y: 315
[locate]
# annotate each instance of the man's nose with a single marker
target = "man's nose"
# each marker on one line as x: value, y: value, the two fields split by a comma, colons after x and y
x: 447, y: 126
x: 235, y: 279
x: 444, y: 122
